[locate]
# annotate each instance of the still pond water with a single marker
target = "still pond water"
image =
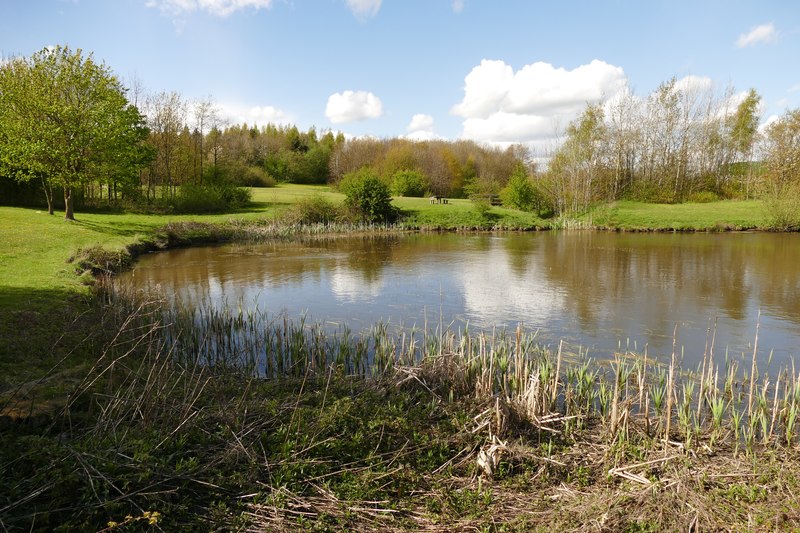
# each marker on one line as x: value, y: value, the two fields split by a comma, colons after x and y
x: 591, y: 289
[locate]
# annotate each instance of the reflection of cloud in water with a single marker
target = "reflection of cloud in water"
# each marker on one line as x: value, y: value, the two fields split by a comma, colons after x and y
x: 349, y: 286
x: 499, y: 294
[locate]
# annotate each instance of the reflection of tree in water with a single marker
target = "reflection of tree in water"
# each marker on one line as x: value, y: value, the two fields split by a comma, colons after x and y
x: 668, y: 277
x: 520, y: 252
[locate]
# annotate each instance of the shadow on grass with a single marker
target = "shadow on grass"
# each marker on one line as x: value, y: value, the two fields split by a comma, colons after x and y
x: 127, y: 229
x: 43, y: 331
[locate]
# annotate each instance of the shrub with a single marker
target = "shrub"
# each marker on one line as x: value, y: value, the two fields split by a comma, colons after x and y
x: 409, y: 183
x: 783, y: 208
x: 314, y: 210
x: 519, y: 192
x: 210, y: 198
x: 241, y: 174
x: 367, y: 197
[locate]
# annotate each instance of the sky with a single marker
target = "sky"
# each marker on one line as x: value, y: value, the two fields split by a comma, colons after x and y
x: 494, y: 71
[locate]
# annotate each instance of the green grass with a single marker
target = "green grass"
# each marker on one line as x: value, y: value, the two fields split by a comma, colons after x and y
x: 713, y: 216
x: 462, y: 214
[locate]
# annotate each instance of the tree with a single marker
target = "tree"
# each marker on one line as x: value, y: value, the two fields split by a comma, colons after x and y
x: 519, y: 192
x: 782, y: 171
x: 65, y: 119
x: 409, y: 183
x: 744, y: 131
x: 577, y: 168
x: 167, y: 114
x: 367, y: 196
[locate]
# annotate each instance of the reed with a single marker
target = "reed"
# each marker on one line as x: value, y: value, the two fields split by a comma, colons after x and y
x: 554, y: 389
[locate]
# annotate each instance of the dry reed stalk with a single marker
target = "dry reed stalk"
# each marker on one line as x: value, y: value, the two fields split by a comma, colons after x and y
x: 775, y: 405
x: 554, y: 392
x: 643, y: 379
x: 753, y: 369
x: 670, y: 382
x: 615, y: 400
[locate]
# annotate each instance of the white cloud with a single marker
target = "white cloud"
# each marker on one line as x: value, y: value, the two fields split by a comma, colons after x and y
x: 352, y: 106
x: 254, y: 115
x: 220, y: 8
x: 762, y: 128
x: 421, y: 128
x: 501, y: 106
x: 690, y: 84
x: 458, y: 6
x: 420, y: 122
x: 485, y: 87
x: 765, y: 33
x: 794, y: 88
x: 364, y: 9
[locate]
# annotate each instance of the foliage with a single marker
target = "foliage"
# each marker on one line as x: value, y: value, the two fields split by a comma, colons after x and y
x: 65, y: 120
x: 576, y: 170
x: 313, y: 210
x: 243, y: 175
x: 210, y: 198
x: 783, y: 210
x: 520, y: 192
x: 367, y: 197
x: 409, y: 183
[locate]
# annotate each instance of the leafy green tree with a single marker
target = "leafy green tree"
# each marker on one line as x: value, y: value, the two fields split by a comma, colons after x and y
x: 65, y: 119
x: 519, y: 192
x: 743, y: 126
x: 367, y: 196
x: 409, y: 183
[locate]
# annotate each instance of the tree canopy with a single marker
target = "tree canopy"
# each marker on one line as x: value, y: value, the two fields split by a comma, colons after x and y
x: 65, y: 120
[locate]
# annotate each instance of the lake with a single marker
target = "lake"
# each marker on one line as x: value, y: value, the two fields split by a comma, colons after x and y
x: 597, y: 290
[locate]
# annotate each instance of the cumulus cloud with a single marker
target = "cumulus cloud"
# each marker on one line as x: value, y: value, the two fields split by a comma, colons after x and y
x: 420, y: 122
x: 364, y: 9
x: 692, y: 84
x: 501, y: 106
x: 421, y: 128
x: 765, y: 33
x: 352, y: 106
x: 220, y: 8
x: 253, y: 115
x: 458, y: 6
x: 772, y: 119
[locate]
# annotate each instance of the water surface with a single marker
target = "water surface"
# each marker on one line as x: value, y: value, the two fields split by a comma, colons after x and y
x: 593, y: 289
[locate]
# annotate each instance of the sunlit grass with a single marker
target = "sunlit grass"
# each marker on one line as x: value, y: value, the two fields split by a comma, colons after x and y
x: 714, y: 216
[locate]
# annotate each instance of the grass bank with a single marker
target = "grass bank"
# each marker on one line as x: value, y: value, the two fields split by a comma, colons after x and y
x: 715, y: 216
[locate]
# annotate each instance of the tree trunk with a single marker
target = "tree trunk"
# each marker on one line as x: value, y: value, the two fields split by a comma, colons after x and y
x: 68, y: 212
x: 48, y: 193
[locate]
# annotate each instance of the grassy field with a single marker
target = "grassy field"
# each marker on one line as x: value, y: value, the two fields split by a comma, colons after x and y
x: 714, y: 216
x: 107, y: 426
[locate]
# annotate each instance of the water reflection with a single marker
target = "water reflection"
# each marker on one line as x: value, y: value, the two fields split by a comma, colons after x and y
x: 595, y: 289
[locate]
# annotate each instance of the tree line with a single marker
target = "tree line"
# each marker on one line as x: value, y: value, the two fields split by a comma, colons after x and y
x: 68, y: 124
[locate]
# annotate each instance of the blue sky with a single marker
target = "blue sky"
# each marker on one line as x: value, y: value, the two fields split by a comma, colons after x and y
x: 492, y: 70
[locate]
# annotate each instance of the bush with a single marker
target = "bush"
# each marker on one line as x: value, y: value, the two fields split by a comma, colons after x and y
x: 409, y: 183
x: 367, y: 197
x: 314, y: 210
x: 239, y: 173
x: 210, y: 198
x: 519, y: 192
x: 783, y: 208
